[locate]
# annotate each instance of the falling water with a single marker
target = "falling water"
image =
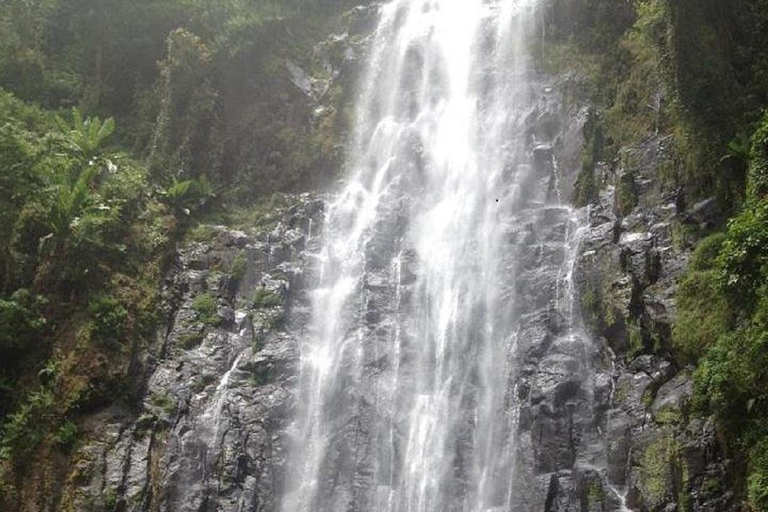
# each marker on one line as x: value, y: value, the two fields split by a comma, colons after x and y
x: 408, y: 397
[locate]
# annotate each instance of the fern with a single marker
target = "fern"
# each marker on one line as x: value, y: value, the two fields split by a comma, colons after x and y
x: 86, y: 136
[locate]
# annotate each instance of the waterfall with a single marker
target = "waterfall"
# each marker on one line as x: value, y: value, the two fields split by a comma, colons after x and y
x: 410, y: 393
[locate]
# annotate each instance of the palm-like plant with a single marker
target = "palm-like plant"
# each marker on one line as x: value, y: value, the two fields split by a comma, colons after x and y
x: 190, y: 194
x: 83, y: 142
x: 71, y: 199
x: 85, y: 137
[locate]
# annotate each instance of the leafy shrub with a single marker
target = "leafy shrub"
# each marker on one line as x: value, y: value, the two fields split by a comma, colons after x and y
x: 744, y: 259
x: 187, y: 123
x: 758, y: 177
x: 164, y: 401
x: 703, y: 313
x: 67, y: 434
x: 86, y: 136
x: 201, y: 233
x: 189, y: 195
x: 585, y: 189
x: 705, y: 256
x: 25, y: 429
x: 191, y: 340
x: 758, y: 477
x: 723, y: 320
x: 19, y: 322
x: 238, y: 267
x: 264, y: 298
x: 206, y: 308
x: 109, y: 319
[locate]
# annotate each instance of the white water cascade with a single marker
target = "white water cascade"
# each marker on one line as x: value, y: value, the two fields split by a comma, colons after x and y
x: 409, y: 394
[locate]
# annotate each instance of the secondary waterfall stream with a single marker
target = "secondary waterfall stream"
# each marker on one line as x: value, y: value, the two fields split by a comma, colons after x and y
x: 448, y: 239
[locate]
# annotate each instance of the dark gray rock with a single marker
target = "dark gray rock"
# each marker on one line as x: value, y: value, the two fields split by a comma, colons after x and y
x: 627, y: 275
x: 209, y: 433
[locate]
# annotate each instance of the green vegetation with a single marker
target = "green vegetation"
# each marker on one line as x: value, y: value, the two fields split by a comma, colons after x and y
x: 657, y: 465
x: 202, y: 382
x: 123, y: 125
x: 237, y: 268
x: 67, y: 434
x: 703, y: 312
x: 199, y: 88
x: 696, y: 71
x: 626, y: 194
x: 722, y: 325
x: 191, y: 340
x: 264, y: 298
x: 585, y: 190
x: 25, y: 428
x: 261, y: 376
x: 128, y: 126
x: 163, y: 401
x: 595, y: 495
x: 654, y: 66
x: 206, y: 308
x: 85, y: 245
x: 85, y: 242
x: 109, y: 318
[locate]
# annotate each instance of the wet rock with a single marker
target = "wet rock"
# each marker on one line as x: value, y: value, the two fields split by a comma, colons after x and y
x: 672, y: 399
x: 630, y: 262
x: 209, y: 432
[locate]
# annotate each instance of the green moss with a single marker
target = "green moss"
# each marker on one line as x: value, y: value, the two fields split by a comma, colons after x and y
x: 237, y: 267
x: 703, y: 314
x: 636, y: 341
x: 657, y: 467
x: 556, y: 57
x: 683, y: 490
x: 201, y: 233
x: 110, y: 499
x: 668, y: 415
x: 264, y: 298
x: 647, y: 398
x: 595, y: 495
x: 590, y: 305
x: 622, y: 392
x: 164, y: 401
x: 206, y: 307
x: 261, y: 377
x: 262, y: 215
x: 67, y: 434
x: 585, y: 190
x: 109, y: 319
x: 191, y: 340
x: 626, y: 194
x: 712, y: 485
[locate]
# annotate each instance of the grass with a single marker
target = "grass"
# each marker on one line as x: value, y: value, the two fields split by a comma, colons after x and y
x: 264, y: 298
x: 191, y: 340
x: 164, y: 401
x: 206, y: 308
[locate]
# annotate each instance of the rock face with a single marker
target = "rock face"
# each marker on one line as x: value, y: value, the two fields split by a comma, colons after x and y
x: 600, y: 408
x: 208, y: 434
x: 633, y: 253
